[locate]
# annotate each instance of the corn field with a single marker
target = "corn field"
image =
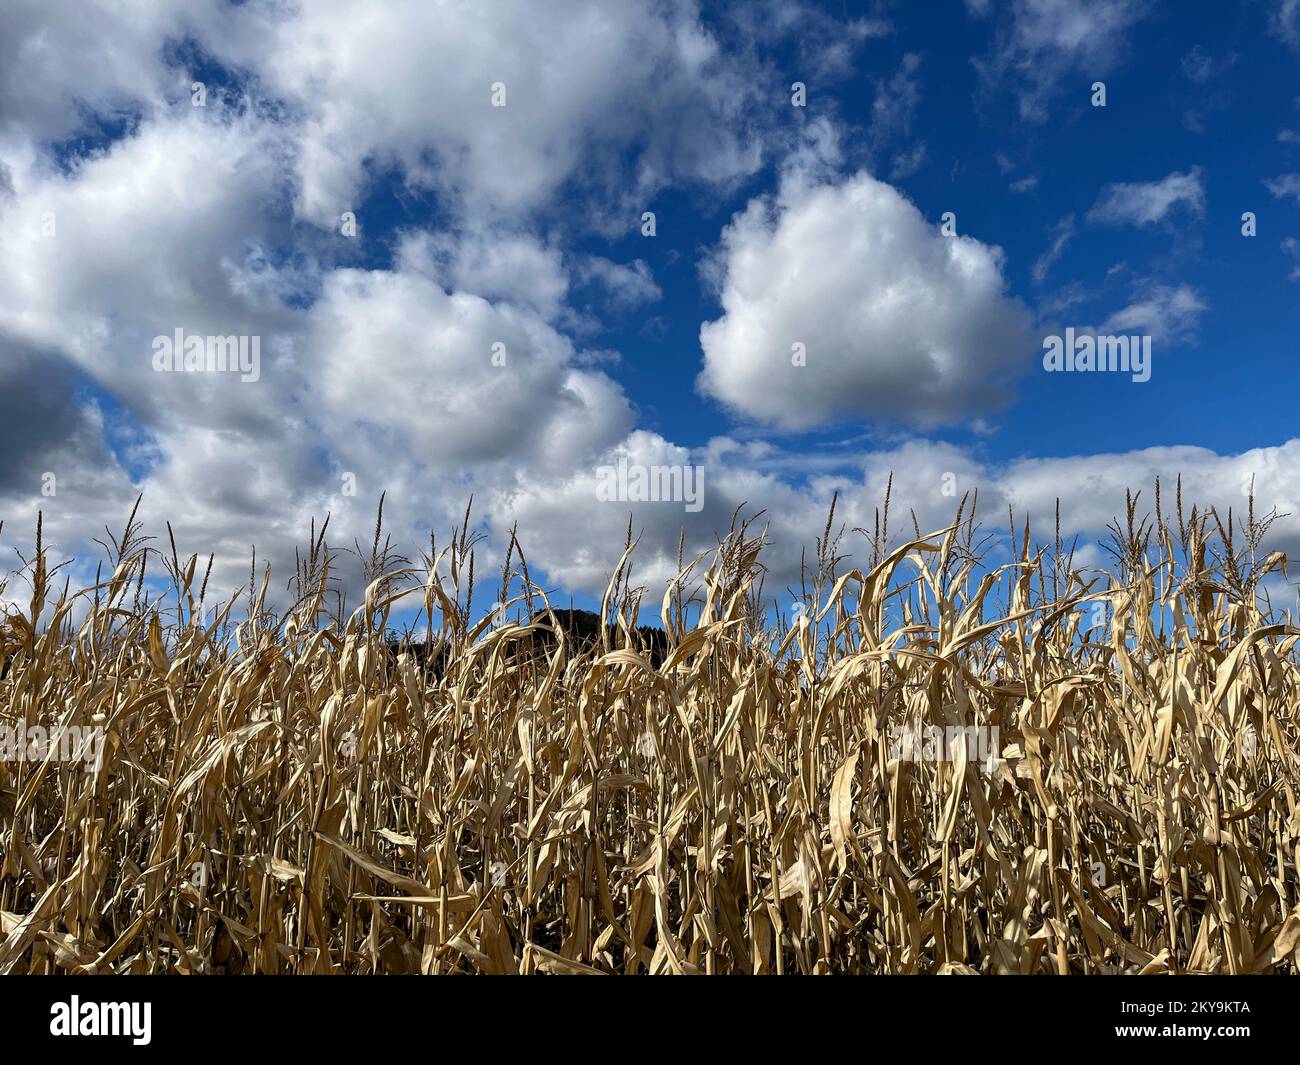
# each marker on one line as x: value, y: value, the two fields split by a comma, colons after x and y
x: 288, y: 791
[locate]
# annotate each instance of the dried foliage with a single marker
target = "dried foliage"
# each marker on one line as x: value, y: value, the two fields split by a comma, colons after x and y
x: 283, y: 795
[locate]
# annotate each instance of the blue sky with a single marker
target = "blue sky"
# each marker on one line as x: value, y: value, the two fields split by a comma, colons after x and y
x: 521, y: 225
x: 1243, y: 339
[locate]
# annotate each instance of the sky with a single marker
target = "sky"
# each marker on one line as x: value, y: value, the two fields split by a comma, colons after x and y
x: 496, y: 249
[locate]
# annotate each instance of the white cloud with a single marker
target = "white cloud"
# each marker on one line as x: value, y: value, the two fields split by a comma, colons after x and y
x: 1285, y: 186
x: 386, y: 372
x: 626, y: 286
x: 1041, y: 43
x: 1163, y: 312
x: 1209, y: 92
x: 498, y: 264
x: 825, y: 46
x: 1144, y: 203
x: 414, y: 88
x: 896, y: 100
x: 627, y: 99
x: 1198, y: 65
x: 1286, y: 21
x: 892, y: 113
x: 42, y: 97
x: 577, y: 538
x: 1064, y: 233
x: 168, y: 228
x: 400, y: 367
x: 898, y: 321
x: 1291, y: 247
x: 1096, y: 484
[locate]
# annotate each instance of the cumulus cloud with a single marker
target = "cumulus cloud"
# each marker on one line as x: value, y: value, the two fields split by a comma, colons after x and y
x: 794, y: 491
x: 39, y: 95
x: 463, y: 380
x: 629, y: 97
x: 1144, y: 203
x: 897, y: 321
x: 384, y: 374
x: 441, y: 367
x: 498, y: 264
x: 44, y: 432
x: 623, y: 79
x: 186, y: 220
x: 172, y: 227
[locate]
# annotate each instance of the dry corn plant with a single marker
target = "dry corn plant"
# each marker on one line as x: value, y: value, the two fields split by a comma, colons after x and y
x: 285, y: 794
